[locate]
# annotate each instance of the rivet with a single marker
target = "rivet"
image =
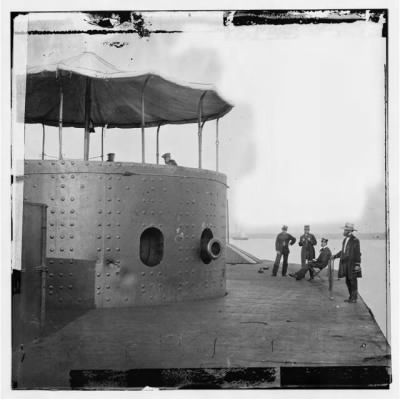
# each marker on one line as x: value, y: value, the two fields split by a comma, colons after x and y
x: 60, y: 261
x: 127, y: 187
x: 109, y: 199
x: 51, y: 275
x: 108, y: 287
x: 51, y: 236
x: 100, y: 211
x: 61, y: 249
x: 72, y: 163
x: 62, y: 211
x: 143, y: 273
x: 72, y: 176
x: 72, y: 211
x: 118, y: 199
x: 51, y: 261
x: 118, y: 225
x: 62, y: 236
x: 108, y: 299
x: 62, y: 224
x: 99, y: 293
x: 108, y: 236
x: 118, y: 237
x: 108, y: 224
x: 62, y: 177
x: 110, y: 178
x: 52, y: 198
x: 71, y: 249
x: 72, y: 224
x: 117, y: 249
x: 50, y: 287
x: 108, y: 249
x: 71, y: 236
x: 118, y: 212
x: 82, y: 186
x: 61, y: 287
x: 99, y: 236
x: 53, y: 177
x: 98, y: 274
x: 109, y: 187
x: 100, y: 224
x: 52, y: 211
x: 62, y: 185
x: 72, y: 198
x: 109, y: 212
x: 51, y: 249
x: 70, y: 287
x: 51, y: 293
x: 62, y: 198
x: 60, y: 274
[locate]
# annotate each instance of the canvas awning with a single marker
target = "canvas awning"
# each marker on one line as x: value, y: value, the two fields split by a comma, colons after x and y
x: 86, y: 91
x: 115, y: 97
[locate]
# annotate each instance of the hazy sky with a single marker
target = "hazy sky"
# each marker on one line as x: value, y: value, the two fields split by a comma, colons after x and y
x: 305, y: 140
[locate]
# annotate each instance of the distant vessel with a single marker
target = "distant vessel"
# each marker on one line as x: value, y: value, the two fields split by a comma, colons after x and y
x: 240, y: 236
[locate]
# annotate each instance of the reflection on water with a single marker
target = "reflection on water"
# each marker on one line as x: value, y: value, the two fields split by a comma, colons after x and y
x: 372, y: 286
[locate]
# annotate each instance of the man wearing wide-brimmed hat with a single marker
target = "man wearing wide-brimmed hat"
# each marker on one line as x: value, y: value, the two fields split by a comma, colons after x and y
x: 350, y: 261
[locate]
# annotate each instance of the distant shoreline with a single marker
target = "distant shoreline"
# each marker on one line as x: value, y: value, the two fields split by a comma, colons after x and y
x: 366, y: 236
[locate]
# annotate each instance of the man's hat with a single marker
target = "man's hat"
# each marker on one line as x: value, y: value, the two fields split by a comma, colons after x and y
x: 306, y: 226
x: 349, y: 226
x: 167, y: 154
x: 284, y: 227
x: 324, y: 239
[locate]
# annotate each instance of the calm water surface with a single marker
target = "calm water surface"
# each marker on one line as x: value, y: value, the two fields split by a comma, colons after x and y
x: 373, y: 286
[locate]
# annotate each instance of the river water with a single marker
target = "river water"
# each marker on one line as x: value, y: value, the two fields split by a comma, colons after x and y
x: 373, y: 286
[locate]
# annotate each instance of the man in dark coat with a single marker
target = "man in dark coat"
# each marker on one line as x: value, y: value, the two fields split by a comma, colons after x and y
x: 319, y: 263
x: 168, y: 160
x: 282, y: 242
x: 350, y: 261
x: 307, y: 242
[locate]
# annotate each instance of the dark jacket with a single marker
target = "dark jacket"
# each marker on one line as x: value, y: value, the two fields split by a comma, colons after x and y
x: 323, y: 258
x: 349, y: 258
x: 307, y: 244
x: 282, y: 242
x: 172, y: 162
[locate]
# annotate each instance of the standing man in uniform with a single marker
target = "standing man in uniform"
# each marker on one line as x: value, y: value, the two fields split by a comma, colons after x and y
x: 350, y: 261
x: 307, y: 242
x: 282, y: 242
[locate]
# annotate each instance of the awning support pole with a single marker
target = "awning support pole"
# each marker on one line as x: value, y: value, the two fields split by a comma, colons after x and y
x: 60, y: 123
x: 217, y: 146
x: 158, y: 144
x: 87, y: 120
x: 102, y: 141
x: 143, y: 121
x: 200, y: 125
x: 43, y: 140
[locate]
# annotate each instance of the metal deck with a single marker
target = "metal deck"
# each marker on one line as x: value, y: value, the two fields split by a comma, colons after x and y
x: 277, y: 324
